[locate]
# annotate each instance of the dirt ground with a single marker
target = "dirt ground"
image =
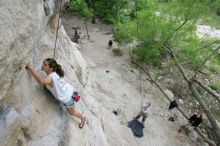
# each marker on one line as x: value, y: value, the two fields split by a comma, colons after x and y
x: 115, y: 85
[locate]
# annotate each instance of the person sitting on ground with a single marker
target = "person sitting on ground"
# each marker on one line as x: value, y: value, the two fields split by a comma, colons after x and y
x: 144, y: 111
x: 195, y: 120
x: 55, y: 83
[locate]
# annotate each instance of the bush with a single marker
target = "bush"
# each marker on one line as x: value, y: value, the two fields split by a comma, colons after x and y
x: 214, y: 66
x: 215, y: 86
x: 80, y: 7
x: 218, y: 11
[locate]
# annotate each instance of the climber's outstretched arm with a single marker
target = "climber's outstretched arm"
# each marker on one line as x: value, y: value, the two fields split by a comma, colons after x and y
x: 39, y: 79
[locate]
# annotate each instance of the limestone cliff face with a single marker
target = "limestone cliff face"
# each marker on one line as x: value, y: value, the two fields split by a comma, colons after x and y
x: 28, y: 114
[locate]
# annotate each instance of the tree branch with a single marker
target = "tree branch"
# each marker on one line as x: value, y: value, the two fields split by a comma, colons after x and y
x: 204, y: 62
x: 173, y: 56
x: 209, y: 115
x: 212, y: 43
x: 208, y: 90
x: 185, y: 21
x: 177, y: 64
x: 156, y: 83
x: 210, y: 142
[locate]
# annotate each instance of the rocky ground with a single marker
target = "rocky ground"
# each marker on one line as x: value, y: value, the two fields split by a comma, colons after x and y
x: 115, y: 85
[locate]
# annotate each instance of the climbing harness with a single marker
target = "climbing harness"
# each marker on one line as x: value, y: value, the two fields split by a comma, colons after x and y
x: 54, y: 53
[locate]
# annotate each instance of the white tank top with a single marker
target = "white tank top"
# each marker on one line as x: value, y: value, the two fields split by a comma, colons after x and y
x: 146, y: 109
x: 61, y: 90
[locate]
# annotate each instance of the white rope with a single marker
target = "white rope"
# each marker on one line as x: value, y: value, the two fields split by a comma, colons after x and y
x: 54, y: 53
x: 138, y: 46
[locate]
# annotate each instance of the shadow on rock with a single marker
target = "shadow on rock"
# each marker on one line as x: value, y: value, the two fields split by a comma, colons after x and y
x: 136, y: 127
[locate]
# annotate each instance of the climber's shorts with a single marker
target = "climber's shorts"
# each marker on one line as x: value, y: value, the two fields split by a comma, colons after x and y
x: 69, y: 104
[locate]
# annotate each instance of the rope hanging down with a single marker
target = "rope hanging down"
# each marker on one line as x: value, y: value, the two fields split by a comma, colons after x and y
x: 140, y: 87
x: 58, y: 22
x: 136, y: 7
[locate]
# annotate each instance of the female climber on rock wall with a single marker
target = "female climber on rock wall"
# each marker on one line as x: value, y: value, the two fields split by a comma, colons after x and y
x: 55, y: 83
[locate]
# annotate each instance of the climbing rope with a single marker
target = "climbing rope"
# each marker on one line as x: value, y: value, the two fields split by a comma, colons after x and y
x: 140, y: 84
x: 137, y: 22
x: 140, y: 87
x: 58, y: 22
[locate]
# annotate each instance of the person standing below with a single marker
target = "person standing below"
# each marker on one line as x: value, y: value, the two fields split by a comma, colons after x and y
x: 144, y: 111
x: 55, y: 83
x: 75, y: 37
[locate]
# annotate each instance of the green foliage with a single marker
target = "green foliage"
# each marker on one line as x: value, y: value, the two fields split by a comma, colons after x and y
x: 192, y: 52
x: 81, y: 8
x: 157, y: 23
x: 212, y: 20
x: 186, y: 8
x: 215, y: 64
x: 212, y: 17
x: 124, y: 31
x: 148, y: 54
x: 110, y: 10
x: 214, y: 68
x: 105, y: 10
x: 217, y: 57
x: 218, y: 11
x: 215, y: 85
x: 214, y: 6
x: 216, y: 113
x: 214, y: 108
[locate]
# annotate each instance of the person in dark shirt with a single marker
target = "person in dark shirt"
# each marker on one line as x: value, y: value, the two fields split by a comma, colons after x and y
x: 110, y: 43
x: 195, y: 120
x: 173, y: 104
x: 75, y: 37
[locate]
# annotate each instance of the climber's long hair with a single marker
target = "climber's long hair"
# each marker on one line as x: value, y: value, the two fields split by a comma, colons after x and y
x: 56, y: 67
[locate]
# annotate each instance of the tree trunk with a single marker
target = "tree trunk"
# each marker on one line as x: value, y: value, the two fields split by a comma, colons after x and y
x: 209, y: 115
x: 214, y: 94
x: 215, y: 51
x: 210, y: 142
x: 207, y: 140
